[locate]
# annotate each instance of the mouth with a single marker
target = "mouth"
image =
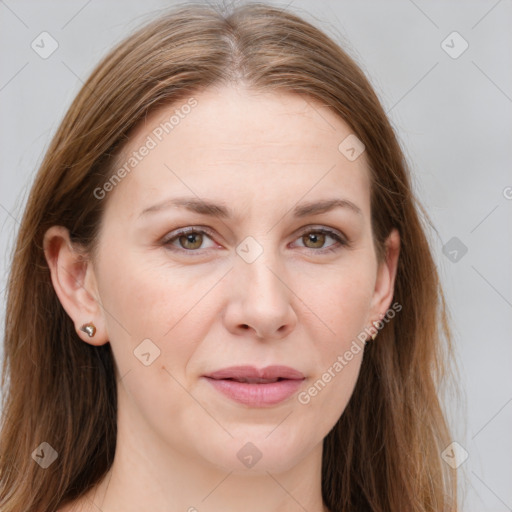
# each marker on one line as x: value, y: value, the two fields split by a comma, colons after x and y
x: 254, y: 381
x: 256, y: 387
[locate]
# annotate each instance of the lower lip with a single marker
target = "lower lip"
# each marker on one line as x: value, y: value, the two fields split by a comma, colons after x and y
x: 256, y: 395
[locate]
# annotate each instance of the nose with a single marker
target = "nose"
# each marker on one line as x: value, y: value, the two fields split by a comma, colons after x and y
x: 261, y: 300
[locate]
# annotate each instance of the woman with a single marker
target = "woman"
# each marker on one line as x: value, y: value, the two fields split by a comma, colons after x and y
x: 222, y: 294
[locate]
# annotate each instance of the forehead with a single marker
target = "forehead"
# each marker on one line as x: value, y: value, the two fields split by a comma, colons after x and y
x: 235, y: 142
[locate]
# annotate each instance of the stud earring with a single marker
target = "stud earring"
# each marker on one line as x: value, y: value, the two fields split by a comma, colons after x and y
x: 89, y: 329
x: 376, y: 325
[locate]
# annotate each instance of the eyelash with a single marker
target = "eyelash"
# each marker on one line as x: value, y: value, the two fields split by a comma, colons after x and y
x: 342, y: 242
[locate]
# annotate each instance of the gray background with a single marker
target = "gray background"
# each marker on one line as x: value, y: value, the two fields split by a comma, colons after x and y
x: 453, y: 117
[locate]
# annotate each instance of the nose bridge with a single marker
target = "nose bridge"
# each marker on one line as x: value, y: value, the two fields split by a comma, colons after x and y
x: 258, y: 263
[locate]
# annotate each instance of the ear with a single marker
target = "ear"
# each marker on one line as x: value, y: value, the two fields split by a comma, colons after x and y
x: 74, y: 282
x: 386, y: 274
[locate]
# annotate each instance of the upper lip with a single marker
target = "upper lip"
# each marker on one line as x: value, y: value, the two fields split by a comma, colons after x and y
x: 251, y: 372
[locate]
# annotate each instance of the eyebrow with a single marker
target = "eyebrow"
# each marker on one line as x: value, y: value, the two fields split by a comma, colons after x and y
x: 205, y: 207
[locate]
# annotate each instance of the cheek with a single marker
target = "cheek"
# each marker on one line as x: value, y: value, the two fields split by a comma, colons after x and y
x: 147, y: 312
x: 343, y: 306
x: 340, y: 298
x: 143, y: 300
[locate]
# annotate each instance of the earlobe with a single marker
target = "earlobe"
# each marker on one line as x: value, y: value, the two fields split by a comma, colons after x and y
x: 71, y: 275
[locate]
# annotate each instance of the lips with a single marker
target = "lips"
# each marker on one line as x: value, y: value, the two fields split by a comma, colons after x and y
x: 256, y: 387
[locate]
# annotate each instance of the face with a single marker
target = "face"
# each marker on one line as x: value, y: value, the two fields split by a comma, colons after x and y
x: 188, y: 288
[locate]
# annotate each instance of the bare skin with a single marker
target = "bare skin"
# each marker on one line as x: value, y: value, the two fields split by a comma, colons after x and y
x: 300, y: 303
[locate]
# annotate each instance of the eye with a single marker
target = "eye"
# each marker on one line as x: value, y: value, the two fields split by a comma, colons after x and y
x: 317, y: 239
x: 188, y: 239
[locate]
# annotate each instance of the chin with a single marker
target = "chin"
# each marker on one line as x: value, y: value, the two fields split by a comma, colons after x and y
x: 257, y: 450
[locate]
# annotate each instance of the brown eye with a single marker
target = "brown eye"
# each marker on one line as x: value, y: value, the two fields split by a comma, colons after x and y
x: 191, y: 241
x: 316, y: 238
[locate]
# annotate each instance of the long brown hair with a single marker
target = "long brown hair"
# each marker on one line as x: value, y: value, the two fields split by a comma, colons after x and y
x: 384, y: 453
